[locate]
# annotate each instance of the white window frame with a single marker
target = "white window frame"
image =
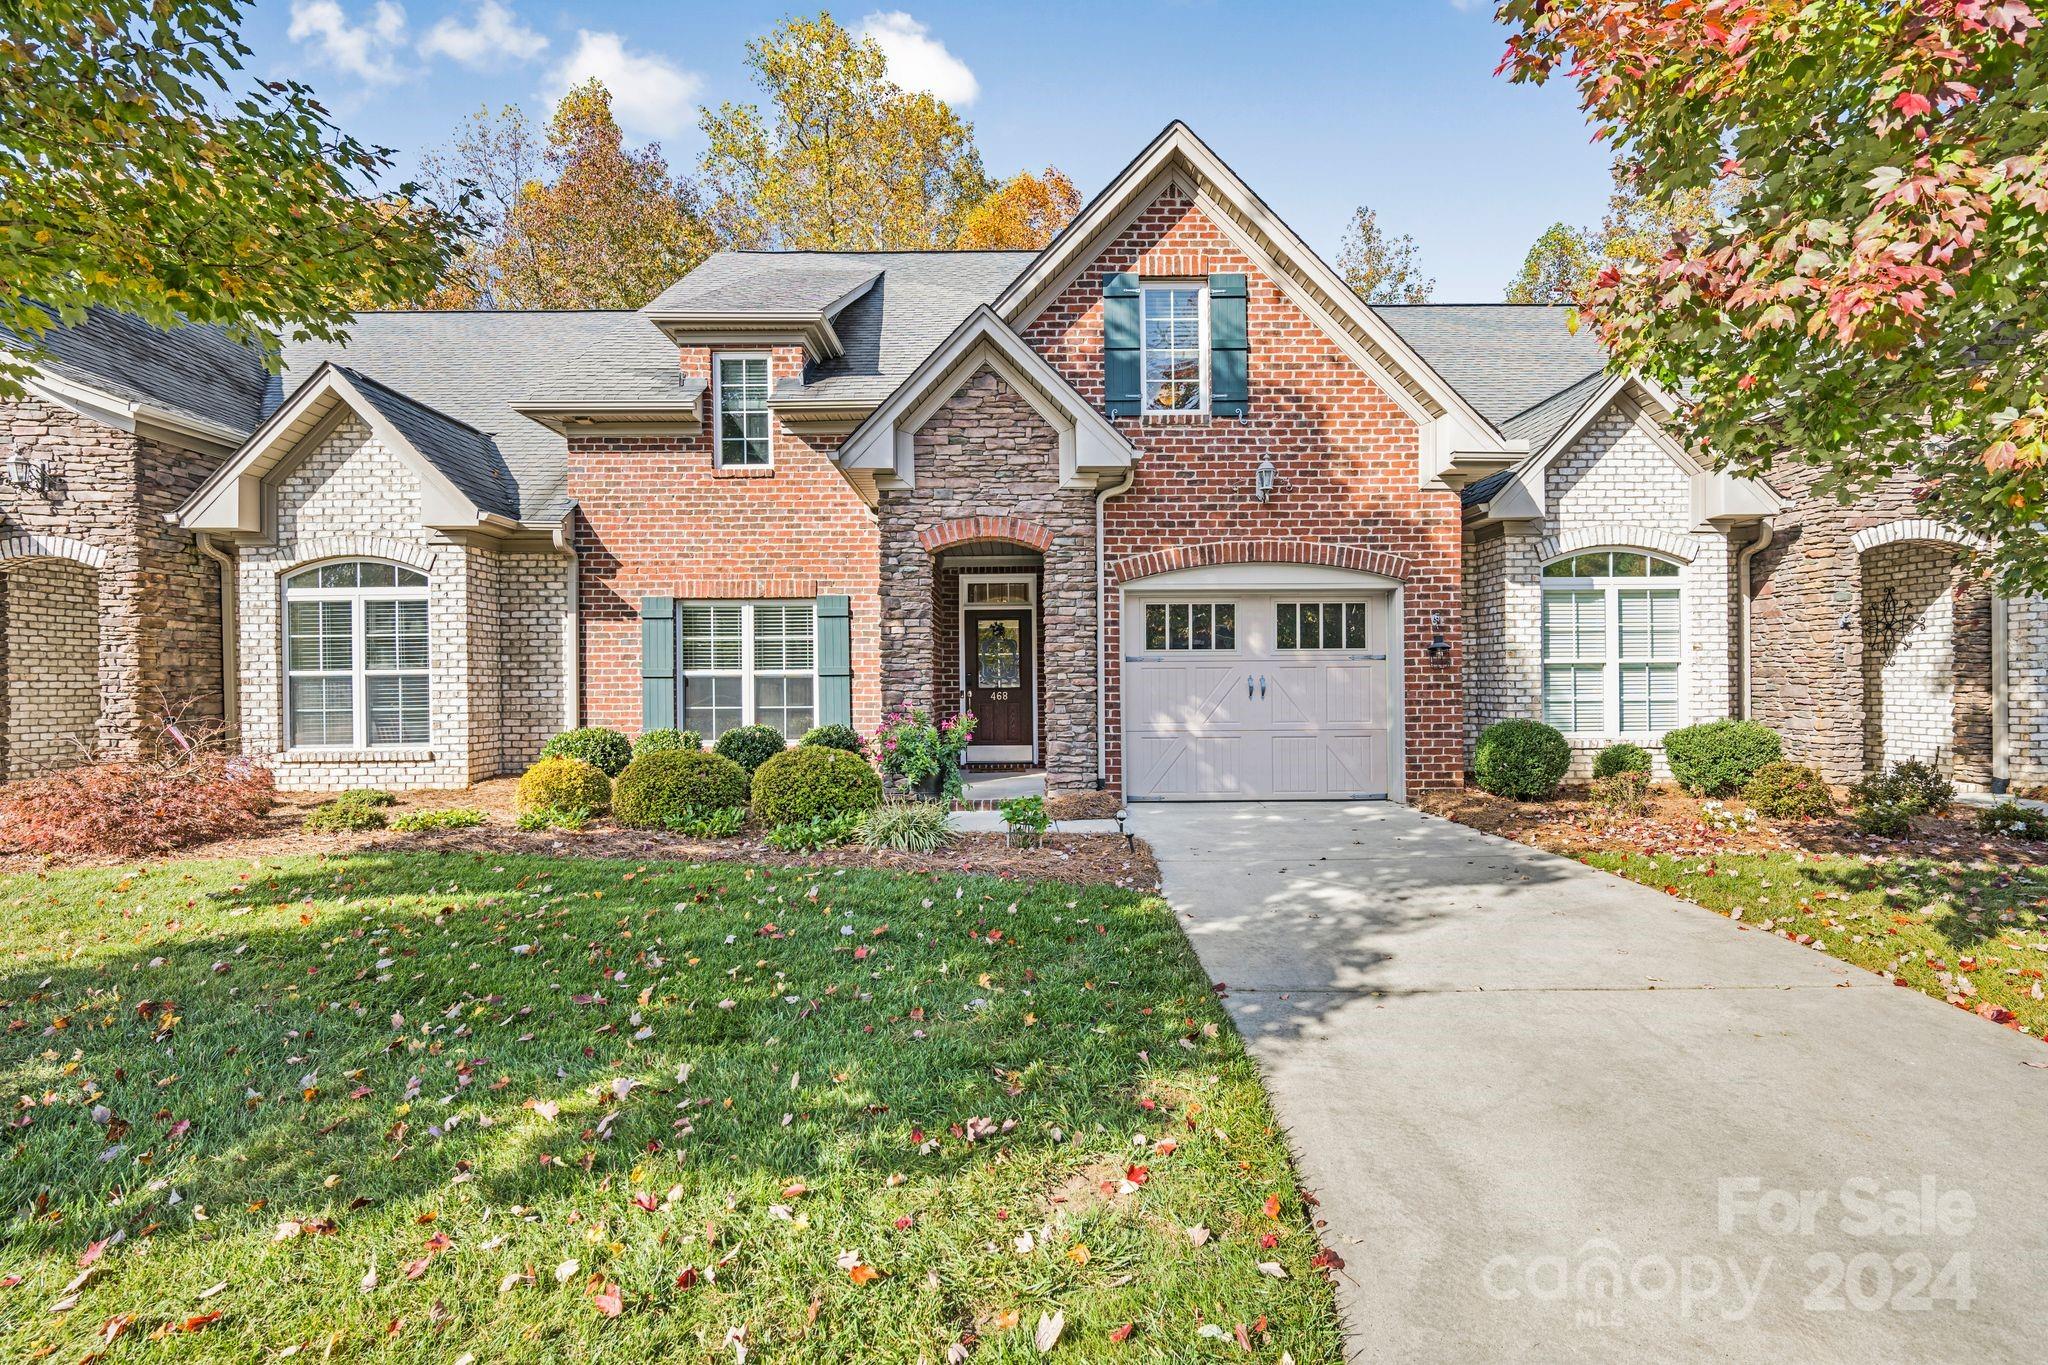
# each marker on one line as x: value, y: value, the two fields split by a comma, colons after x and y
x: 1237, y: 626
x: 1610, y: 662
x: 1200, y: 289
x: 718, y: 359
x: 359, y: 672
x: 748, y: 671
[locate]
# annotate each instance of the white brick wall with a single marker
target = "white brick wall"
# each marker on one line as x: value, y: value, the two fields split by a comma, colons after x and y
x: 1615, y: 486
x: 52, y: 622
x: 1909, y: 690
x: 496, y: 675
x: 2027, y: 690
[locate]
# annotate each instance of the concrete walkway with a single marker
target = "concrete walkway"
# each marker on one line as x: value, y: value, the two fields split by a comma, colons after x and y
x: 1551, y: 1115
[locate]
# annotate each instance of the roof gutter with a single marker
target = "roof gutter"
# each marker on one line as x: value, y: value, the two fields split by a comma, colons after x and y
x: 230, y: 629
x: 1742, y: 591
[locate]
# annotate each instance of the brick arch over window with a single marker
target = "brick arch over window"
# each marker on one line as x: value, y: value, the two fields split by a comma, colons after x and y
x: 361, y: 547
x: 1667, y: 543
x: 946, y: 534
x: 51, y: 547
x: 1358, y: 558
x: 1915, y: 528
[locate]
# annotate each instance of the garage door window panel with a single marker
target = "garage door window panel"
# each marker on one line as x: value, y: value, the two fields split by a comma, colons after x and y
x: 1205, y: 626
x: 1322, y: 625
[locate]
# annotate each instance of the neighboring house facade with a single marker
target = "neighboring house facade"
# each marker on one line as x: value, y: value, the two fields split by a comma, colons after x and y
x: 1165, y: 505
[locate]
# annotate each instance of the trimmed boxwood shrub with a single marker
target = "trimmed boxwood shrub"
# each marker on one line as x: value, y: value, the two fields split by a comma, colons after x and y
x: 1719, y: 758
x: 813, y: 782
x: 833, y: 737
x: 662, y: 790
x: 750, y: 745
x: 1789, y: 791
x: 1523, y: 759
x: 565, y: 784
x: 1621, y: 758
x: 661, y: 741
x: 606, y: 750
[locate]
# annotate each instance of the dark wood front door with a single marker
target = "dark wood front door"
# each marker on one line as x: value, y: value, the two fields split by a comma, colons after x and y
x: 1001, y: 681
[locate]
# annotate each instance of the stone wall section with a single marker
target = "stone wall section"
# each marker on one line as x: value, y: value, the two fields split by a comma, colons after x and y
x: 1346, y: 453
x: 986, y: 452
x: 159, y: 604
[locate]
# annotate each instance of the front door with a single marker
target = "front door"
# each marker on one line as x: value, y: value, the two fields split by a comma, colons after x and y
x: 1001, y: 685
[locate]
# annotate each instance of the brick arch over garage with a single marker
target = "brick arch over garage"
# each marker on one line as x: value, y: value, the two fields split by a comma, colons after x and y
x: 1357, y: 558
x: 946, y: 534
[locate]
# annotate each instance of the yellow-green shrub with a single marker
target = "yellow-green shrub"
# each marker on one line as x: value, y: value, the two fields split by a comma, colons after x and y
x: 565, y: 784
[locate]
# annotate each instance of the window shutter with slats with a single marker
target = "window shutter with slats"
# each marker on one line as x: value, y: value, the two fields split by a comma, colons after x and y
x: 657, y: 663
x: 1229, y: 348
x: 1120, y: 345
x: 835, y: 661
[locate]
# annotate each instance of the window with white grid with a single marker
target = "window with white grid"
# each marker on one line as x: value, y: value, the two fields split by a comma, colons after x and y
x: 356, y: 656
x: 1612, y: 643
x: 748, y: 663
x: 741, y: 400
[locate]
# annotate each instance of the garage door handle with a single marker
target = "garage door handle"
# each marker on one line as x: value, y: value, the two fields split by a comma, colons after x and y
x: 1247, y: 684
x: 1262, y: 686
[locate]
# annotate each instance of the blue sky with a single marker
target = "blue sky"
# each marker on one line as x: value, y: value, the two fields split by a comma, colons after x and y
x: 1390, y: 103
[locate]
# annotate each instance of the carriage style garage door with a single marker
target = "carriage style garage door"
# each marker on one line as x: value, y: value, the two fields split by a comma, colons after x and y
x: 1286, y: 694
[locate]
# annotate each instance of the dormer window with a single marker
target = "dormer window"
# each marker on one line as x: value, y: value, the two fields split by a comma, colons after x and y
x: 1174, y: 344
x: 740, y: 398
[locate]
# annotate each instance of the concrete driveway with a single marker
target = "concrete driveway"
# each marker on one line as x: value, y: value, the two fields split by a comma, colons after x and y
x: 1551, y: 1115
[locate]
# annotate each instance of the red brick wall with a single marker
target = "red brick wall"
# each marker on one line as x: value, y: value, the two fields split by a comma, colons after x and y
x: 1347, y: 458
x: 657, y: 518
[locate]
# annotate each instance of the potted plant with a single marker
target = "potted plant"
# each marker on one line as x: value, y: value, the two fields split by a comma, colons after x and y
x: 1028, y: 822
x: 920, y: 756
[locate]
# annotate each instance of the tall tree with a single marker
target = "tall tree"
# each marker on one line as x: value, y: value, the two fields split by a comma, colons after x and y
x: 1557, y: 268
x: 137, y: 171
x: 610, y: 227
x: 494, y: 157
x: 1382, y: 268
x: 1875, y: 300
x: 1022, y: 214
x: 843, y: 159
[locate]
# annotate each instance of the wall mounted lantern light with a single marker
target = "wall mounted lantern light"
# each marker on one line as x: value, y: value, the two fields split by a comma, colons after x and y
x: 1438, y: 647
x: 1265, y: 479
x: 30, y: 475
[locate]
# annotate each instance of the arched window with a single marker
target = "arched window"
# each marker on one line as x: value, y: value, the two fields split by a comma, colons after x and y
x: 355, y: 639
x: 1612, y: 642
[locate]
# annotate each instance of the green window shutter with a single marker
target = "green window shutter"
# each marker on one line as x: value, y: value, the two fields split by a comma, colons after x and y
x: 1120, y: 345
x: 657, y: 663
x: 835, y: 661
x: 1230, y: 349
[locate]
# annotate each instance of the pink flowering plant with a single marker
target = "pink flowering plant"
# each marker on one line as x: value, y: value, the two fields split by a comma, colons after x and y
x: 915, y: 753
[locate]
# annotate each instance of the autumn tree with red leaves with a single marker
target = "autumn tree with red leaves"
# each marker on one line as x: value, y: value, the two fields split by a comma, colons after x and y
x: 1874, y: 300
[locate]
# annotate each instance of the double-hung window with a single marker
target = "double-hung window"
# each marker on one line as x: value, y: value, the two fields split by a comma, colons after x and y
x: 1173, y: 326
x: 356, y: 656
x: 748, y: 663
x: 740, y: 384
x: 1612, y: 643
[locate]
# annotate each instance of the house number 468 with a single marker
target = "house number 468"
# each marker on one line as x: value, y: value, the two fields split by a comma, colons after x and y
x: 999, y: 696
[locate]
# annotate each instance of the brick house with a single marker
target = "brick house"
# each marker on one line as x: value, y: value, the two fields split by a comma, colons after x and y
x: 1165, y: 505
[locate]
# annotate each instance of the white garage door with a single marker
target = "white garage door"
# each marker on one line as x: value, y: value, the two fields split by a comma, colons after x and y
x: 1242, y: 695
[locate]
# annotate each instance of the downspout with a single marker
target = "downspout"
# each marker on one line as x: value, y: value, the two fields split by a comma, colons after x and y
x: 230, y: 671
x: 2001, y: 701
x: 1747, y: 553
x: 572, y: 627
x: 1103, y: 495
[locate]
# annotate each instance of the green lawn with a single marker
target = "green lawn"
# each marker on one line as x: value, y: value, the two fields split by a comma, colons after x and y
x: 433, y: 1106
x: 1972, y: 932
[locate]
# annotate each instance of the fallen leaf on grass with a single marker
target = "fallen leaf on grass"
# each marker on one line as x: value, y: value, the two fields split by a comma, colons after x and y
x: 1273, y: 1268
x: 1123, y: 1333
x: 605, y: 1296
x: 1198, y: 1235
x: 1272, y: 1206
x: 1048, y: 1334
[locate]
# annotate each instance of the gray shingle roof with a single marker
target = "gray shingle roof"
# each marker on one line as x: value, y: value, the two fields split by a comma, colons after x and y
x: 196, y: 371
x: 887, y: 332
x: 630, y: 363
x: 1505, y: 358
x: 469, y: 458
x: 472, y: 367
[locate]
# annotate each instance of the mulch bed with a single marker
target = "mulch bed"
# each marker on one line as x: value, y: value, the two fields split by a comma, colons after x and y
x: 1570, y: 823
x: 1102, y: 859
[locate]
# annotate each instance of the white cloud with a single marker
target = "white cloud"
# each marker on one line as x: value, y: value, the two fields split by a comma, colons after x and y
x: 493, y: 37
x: 368, y: 51
x: 650, y: 94
x: 918, y: 61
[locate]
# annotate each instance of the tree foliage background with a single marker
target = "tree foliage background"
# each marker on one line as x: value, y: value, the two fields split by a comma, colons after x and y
x: 1381, y: 267
x: 139, y: 170
x: 1873, y: 301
